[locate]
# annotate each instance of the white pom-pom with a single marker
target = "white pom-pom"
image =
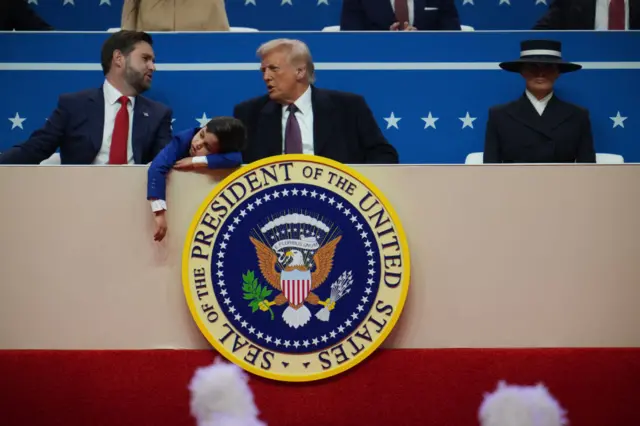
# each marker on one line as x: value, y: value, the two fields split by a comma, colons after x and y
x: 511, y: 405
x: 221, y: 396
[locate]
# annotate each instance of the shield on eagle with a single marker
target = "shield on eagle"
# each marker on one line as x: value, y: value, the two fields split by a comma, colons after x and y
x: 295, y: 285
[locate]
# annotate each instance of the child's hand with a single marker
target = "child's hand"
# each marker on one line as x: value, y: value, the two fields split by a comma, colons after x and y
x: 189, y: 164
x: 161, y: 226
x: 184, y: 164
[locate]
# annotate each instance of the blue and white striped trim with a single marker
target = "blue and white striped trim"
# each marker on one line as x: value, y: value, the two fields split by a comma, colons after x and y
x: 324, y: 66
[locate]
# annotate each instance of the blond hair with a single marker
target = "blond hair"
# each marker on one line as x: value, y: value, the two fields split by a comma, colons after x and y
x: 297, y: 52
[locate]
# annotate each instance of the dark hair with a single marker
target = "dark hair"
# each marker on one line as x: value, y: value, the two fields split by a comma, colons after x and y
x: 231, y: 133
x: 124, y: 41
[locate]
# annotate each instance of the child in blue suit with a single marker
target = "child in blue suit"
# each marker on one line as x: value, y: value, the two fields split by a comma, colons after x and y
x: 217, y: 145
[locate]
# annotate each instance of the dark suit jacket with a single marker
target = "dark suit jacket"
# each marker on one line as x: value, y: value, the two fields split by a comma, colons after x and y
x: 17, y: 15
x: 344, y: 129
x: 76, y: 127
x: 177, y: 150
x: 378, y: 15
x: 580, y: 15
x: 516, y: 133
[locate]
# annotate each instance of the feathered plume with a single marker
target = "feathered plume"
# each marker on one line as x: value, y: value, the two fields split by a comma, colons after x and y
x: 511, y: 405
x: 220, y: 396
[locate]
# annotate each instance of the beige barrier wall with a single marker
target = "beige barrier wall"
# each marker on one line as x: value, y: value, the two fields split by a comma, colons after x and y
x: 502, y: 256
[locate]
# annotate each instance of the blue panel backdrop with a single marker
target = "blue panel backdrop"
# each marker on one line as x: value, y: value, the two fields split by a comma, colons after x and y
x: 287, y: 15
x: 403, y: 76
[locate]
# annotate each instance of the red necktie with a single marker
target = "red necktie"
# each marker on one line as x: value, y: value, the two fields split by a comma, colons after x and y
x: 616, y: 15
x: 402, y: 11
x: 120, y: 137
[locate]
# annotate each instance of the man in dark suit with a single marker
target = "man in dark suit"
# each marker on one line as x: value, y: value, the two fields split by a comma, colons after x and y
x: 539, y: 127
x: 399, y: 15
x: 112, y: 124
x: 17, y: 15
x: 296, y: 117
x: 591, y: 15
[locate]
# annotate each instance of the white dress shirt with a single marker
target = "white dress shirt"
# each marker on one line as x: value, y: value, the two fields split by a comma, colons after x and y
x: 539, y: 105
x: 111, y: 108
x: 304, y: 115
x: 602, y: 14
x: 410, y: 7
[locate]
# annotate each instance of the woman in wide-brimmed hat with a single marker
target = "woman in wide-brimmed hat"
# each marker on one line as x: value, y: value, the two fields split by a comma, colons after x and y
x: 539, y: 127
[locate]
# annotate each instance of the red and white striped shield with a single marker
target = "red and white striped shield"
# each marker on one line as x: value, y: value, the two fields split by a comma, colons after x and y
x: 295, y: 285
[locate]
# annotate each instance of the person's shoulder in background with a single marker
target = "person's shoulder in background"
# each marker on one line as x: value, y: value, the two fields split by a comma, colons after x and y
x: 19, y: 16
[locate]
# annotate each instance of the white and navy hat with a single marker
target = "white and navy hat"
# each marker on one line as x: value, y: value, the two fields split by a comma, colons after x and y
x: 540, y: 52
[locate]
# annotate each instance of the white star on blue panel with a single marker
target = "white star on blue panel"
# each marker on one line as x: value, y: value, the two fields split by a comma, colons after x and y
x: 16, y: 121
x: 392, y: 121
x: 618, y: 120
x: 430, y: 121
x: 467, y: 120
x: 203, y: 120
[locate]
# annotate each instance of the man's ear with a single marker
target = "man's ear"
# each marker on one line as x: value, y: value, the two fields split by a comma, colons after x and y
x: 118, y: 58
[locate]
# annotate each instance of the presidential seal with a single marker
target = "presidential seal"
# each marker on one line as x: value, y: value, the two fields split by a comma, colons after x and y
x: 295, y: 268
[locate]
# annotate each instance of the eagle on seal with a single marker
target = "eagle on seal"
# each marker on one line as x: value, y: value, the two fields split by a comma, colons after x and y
x: 295, y: 281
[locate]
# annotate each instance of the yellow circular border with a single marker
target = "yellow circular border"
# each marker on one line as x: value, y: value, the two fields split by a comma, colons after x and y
x: 221, y: 186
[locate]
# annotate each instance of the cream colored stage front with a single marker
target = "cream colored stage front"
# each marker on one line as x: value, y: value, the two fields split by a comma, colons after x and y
x: 502, y: 256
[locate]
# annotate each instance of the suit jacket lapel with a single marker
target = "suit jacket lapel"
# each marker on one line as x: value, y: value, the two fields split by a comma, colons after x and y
x: 554, y: 114
x: 386, y: 11
x: 95, y: 114
x: 584, y: 11
x: 269, y: 130
x: 324, y: 119
x: 139, y: 131
x: 526, y: 114
x: 634, y: 14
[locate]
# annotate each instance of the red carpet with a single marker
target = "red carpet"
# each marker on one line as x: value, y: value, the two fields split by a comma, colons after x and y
x: 598, y: 387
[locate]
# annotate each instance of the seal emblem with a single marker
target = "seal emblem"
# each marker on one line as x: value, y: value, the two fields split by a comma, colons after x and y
x: 295, y: 268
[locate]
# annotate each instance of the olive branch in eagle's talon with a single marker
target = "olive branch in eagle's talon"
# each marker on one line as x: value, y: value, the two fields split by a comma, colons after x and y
x: 256, y: 293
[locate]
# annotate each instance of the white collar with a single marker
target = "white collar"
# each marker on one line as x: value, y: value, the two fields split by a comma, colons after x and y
x: 303, y: 103
x: 111, y: 94
x: 544, y: 101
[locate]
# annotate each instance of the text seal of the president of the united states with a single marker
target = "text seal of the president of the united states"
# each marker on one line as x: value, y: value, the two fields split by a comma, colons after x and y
x: 295, y: 268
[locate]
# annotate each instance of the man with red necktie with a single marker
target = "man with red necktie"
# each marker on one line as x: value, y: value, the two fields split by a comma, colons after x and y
x: 112, y: 124
x: 605, y: 15
x: 399, y: 15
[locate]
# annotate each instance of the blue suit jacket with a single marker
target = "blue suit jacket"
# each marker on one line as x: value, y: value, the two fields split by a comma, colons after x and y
x: 177, y: 150
x: 76, y: 127
x: 378, y: 15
